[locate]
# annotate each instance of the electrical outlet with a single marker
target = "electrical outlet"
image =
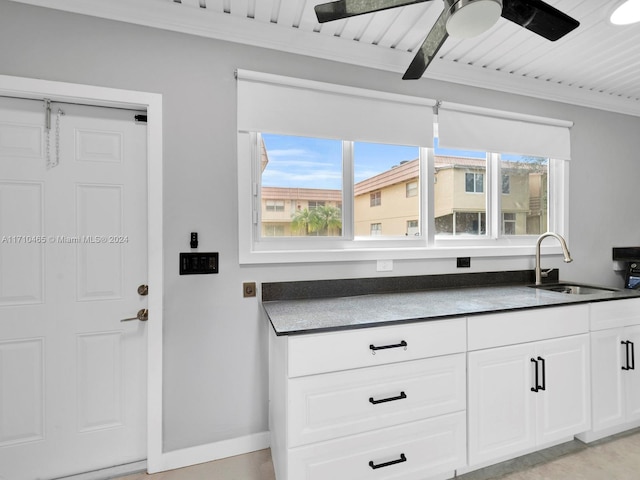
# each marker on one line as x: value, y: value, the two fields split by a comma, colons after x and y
x: 384, y: 265
x: 463, y: 262
x: 249, y: 289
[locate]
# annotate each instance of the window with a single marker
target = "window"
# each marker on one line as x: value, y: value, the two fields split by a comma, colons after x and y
x: 412, y: 189
x: 274, y: 205
x: 506, y: 185
x: 457, y: 174
x: 524, y: 206
x: 508, y: 223
x: 308, y: 172
x: 382, y: 170
x: 312, y: 193
x: 474, y: 182
x: 302, y: 191
x: 273, y: 230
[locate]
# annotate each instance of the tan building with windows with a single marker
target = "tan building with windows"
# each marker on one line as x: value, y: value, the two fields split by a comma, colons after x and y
x: 280, y: 204
x: 389, y: 203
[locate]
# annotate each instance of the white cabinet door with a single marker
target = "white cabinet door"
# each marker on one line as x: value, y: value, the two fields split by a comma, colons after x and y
x: 632, y: 376
x: 512, y: 410
x: 563, y: 407
x: 501, y: 403
x: 608, y: 393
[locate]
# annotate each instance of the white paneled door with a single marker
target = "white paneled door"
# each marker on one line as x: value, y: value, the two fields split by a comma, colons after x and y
x: 73, y: 252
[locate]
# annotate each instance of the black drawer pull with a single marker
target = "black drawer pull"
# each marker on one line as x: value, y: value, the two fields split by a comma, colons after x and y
x: 384, y: 347
x: 544, y: 375
x: 387, y: 464
x: 535, y: 389
x: 629, y: 365
x: 390, y: 399
x: 626, y: 348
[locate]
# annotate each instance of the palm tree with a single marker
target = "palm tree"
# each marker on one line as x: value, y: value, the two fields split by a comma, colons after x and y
x: 322, y: 220
x: 329, y: 218
x: 304, y: 221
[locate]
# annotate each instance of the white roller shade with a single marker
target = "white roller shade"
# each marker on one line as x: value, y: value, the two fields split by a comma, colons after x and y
x: 470, y: 128
x: 276, y: 104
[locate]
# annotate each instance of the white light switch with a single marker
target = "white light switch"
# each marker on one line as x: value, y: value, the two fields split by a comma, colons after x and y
x: 385, y: 265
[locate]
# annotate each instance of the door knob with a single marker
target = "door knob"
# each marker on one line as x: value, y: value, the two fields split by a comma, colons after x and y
x: 143, y: 290
x: 143, y: 316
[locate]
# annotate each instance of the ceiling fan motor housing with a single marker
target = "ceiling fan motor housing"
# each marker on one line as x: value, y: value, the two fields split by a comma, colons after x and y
x: 468, y: 18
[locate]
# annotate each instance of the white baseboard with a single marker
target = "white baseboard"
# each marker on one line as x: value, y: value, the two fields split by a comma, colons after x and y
x: 591, y: 436
x: 209, y: 452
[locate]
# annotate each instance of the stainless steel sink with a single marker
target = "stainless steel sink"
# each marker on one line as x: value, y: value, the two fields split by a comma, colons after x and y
x: 573, y: 289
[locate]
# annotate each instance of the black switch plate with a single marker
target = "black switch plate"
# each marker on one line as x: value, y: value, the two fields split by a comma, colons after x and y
x: 463, y: 262
x: 198, y: 263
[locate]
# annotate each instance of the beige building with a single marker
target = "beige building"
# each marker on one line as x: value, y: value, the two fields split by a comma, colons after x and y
x: 279, y: 207
x: 389, y: 203
x: 460, y: 197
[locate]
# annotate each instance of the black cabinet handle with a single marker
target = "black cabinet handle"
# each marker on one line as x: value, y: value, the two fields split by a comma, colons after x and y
x: 535, y: 389
x: 390, y: 399
x: 626, y: 349
x: 384, y: 347
x: 544, y: 374
x: 633, y: 357
x: 387, y: 464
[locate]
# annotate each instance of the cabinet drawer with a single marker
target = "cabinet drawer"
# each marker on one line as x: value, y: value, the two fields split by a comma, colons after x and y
x: 337, y: 404
x: 343, y: 350
x: 614, y: 314
x: 509, y: 328
x: 421, y: 449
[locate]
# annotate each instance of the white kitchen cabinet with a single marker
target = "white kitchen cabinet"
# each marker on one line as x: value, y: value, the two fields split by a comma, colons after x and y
x: 527, y: 395
x: 615, y: 379
x: 528, y: 380
x: 375, y: 403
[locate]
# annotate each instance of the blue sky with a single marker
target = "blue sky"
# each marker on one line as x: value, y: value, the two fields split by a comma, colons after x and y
x: 317, y: 163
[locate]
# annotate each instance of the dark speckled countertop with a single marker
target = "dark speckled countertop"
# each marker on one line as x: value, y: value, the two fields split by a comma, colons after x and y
x: 299, y: 316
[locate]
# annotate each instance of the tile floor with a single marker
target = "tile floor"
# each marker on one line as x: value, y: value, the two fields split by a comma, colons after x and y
x: 614, y: 458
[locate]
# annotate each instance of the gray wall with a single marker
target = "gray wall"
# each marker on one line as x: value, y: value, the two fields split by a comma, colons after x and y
x: 215, y: 346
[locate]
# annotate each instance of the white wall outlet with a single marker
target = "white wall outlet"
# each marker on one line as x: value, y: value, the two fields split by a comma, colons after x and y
x: 384, y: 265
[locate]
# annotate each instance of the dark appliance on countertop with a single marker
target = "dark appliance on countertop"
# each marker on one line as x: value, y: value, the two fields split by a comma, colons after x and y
x: 631, y: 256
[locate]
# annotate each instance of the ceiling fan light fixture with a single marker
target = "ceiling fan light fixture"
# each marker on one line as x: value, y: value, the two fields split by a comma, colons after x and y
x: 468, y: 18
x: 626, y: 13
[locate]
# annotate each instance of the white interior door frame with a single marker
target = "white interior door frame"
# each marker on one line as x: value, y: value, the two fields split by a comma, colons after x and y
x: 151, y: 102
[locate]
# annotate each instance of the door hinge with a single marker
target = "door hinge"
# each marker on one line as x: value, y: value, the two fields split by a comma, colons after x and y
x: 140, y: 118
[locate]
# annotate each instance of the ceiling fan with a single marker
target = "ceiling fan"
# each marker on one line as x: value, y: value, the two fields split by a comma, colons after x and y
x: 462, y: 19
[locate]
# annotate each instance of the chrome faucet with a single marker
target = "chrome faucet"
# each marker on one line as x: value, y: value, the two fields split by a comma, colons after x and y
x: 565, y: 250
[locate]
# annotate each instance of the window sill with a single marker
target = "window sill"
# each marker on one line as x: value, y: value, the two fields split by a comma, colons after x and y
x: 443, y: 249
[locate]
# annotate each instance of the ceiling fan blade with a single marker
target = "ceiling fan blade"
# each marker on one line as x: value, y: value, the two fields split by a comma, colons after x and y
x: 327, y: 12
x: 428, y: 50
x: 539, y: 17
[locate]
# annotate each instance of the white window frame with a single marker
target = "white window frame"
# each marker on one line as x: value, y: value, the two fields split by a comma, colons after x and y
x: 475, y: 183
x: 256, y: 250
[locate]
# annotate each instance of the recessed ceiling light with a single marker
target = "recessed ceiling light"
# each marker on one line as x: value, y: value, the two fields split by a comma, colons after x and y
x: 626, y: 13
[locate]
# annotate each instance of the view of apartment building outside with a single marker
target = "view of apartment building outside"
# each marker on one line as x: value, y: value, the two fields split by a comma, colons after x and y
x: 388, y: 204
